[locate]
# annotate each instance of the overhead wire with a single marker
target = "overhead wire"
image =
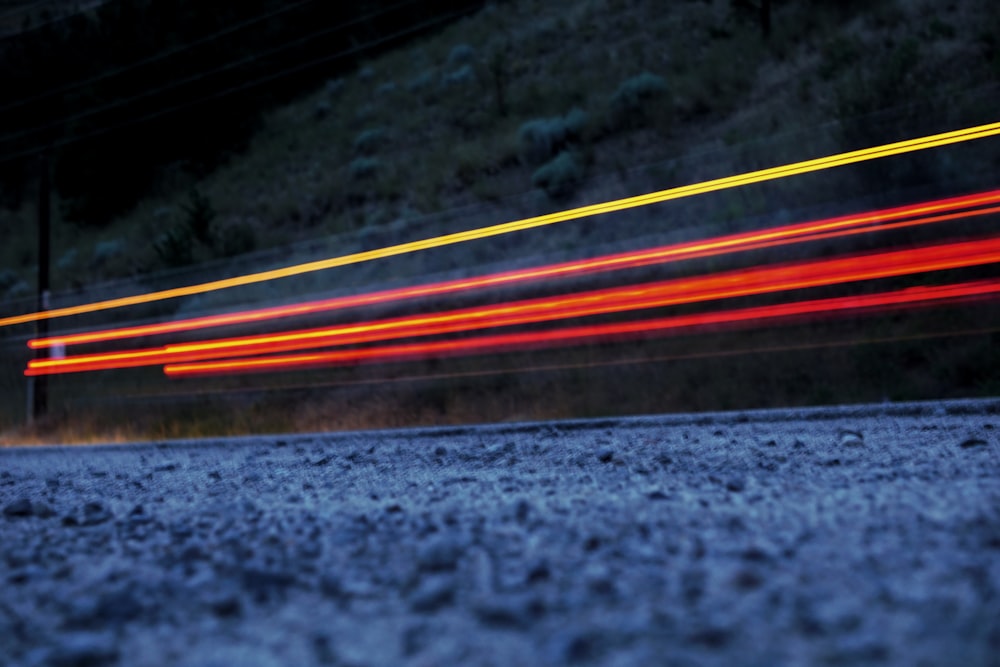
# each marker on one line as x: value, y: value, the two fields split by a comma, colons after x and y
x: 107, y: 74
x: 208, y: 73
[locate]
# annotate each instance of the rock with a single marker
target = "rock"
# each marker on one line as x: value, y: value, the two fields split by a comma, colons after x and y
x: 84, y: 649
x: 20, y: 508
x: 227, y: 605
x: 262, y: 584
x: 95, y: 513
x: 735, y: 484
x: 509, y: 611
x: 440, y: 552
x: 849, y: 438
x: 433, y: 593
x: 972, y: 442
x: 605, y: 454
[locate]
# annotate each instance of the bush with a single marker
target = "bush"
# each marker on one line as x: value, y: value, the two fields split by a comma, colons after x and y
x: 630, y: 101
x: 235, y: 239
x: 461, y: 54
x: 105, y: 251
x: 363, y: 168
x: 175, y: 246
x: 541, y: 138
x: 200, y: 216
x: 421, y: 81
x: 560, y: 176
x: 8, y: 279
x: 462, y: 76
x: 368, y: 141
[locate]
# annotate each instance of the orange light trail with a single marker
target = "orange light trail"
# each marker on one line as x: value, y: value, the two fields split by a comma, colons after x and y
x: 731, y: 284
x: 582, y: 334
x: 803, y: 167
x: 745, y: 241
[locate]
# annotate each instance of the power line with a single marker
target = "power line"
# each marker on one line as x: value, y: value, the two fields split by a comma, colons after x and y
x: 229, y: 66
x: 58, y: 19
x: 234, y: 89
x: 154, y: 58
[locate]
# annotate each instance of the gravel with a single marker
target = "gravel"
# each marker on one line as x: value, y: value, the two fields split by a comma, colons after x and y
x: 841, y: 536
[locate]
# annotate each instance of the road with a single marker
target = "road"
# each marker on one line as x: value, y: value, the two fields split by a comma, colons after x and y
x: 839, y: 536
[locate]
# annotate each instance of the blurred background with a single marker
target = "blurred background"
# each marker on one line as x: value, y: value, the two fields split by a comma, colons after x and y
x: 147, y: 145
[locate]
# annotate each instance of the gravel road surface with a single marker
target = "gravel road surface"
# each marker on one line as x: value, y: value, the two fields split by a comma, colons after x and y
x: 842, y: 536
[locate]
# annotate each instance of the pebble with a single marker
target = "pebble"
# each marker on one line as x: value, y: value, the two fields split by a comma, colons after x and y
x: 433, y: 593
x: 605, y: 454
x: 95, y: 513
x: 511, y: 610
x: 735, y: 484
x: 849, y: 438
x: 84, y: 649
x: 440, y: 552
x: 20, y: 508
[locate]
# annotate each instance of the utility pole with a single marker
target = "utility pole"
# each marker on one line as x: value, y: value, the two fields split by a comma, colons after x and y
x: 39, y: 393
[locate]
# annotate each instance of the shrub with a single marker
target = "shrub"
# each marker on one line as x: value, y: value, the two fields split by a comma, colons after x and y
x: 235, y: 239
x: 175, y: 246
x: 66, y: 262
x: 106, y: 251
x: 18, y: 290
x: 363, y: 168
x: 421, y: 81
x: 629, y: 103
x: 200, y: 216
x: 462, y: 76
x: 461, y: 54
x: 7, y: 279
x: 368, y: 141
x: 560, y: 176
x: 541, y: 138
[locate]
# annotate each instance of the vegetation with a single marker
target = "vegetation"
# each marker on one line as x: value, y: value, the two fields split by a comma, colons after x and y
x: 517, y: 109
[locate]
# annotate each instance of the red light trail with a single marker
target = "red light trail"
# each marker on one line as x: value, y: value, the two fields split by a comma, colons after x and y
x: 755, y: 240
x: 581, y: 334
x: 731, y: 284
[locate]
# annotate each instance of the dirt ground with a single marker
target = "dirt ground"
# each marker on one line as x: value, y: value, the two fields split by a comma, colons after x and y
x: 863, y: 535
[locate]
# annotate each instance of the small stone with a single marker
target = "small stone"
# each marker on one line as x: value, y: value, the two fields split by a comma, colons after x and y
x: 522, y: 510
x: 95, y: 513
x: 735, y: 484
x: 84, y: 649
x: 433, y: 593
x: 968, y: 443
x: 226, y: 606
x: 511, y: 611
x: 439, y: 553
x: 264, y: 583
x: 849, y: 438
x: 605, y: 454
x: 20, y: 508
x: 656, y: 495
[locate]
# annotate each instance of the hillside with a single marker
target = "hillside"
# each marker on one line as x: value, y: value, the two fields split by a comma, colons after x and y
x: 529, y: 107
x: 582, y: 100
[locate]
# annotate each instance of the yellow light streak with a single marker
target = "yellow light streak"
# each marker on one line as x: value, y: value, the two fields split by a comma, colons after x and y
x: 772, y: 173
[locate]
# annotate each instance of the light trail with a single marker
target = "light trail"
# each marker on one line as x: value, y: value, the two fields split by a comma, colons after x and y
x: 765, y: 280
x: 803, y: 167
x: 588, y: 333
x: 741, y: 242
